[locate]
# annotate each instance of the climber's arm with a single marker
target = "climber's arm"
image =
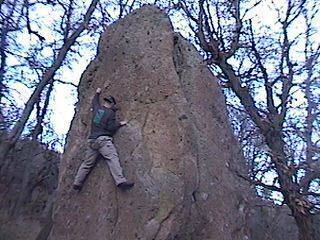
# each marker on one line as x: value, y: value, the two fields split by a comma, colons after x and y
x: 95, y: 101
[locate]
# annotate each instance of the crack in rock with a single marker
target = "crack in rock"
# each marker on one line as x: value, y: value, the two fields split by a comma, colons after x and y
x: 178, y: 62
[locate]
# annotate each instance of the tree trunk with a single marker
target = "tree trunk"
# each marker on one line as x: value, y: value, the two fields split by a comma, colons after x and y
x: 3, y: 57
x: 302, y: 216
x: 298, y: 205
x: 305, y: 226
x: 38, y: 129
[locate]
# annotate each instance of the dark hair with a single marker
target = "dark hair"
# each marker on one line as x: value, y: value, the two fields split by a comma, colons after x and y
x: 110, y: 99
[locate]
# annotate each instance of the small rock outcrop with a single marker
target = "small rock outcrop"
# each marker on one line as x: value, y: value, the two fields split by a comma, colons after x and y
x: 178, y: 146
x: 28, y: 179
x: 268, y: 221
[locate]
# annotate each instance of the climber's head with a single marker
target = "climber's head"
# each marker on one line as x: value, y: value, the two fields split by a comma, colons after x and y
x: 110, y: 102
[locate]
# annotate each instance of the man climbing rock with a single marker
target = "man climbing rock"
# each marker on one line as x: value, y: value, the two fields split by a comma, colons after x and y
x: 103, y: 127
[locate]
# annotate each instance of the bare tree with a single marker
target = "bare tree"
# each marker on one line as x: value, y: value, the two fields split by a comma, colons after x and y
x: 47, y: 76
x: 7, y: 25
x: 242, y: 58
x: 41, y: 113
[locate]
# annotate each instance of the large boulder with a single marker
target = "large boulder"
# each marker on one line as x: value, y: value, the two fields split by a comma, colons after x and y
x: 178, y: 146
x: 28, y: 179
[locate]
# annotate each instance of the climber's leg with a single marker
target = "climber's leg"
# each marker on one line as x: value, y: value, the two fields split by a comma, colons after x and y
x: 89, y: 162
x: 109, y: 152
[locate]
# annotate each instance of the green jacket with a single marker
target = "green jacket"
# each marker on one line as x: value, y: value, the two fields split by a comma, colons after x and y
x: 103, y: 121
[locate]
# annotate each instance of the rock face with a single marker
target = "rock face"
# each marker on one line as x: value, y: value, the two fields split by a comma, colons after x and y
x: 268, y: 221
x: 27, y: 184
x: 178, y: 146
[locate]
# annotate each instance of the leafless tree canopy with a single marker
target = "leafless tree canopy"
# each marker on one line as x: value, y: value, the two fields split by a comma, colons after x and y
x: 271, y: 77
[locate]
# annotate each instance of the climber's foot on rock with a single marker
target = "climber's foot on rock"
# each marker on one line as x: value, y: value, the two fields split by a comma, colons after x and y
x: 77, y: 187
x: 125, y: 185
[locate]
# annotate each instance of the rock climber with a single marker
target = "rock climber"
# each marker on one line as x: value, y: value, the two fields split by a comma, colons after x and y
x: 103, y: 126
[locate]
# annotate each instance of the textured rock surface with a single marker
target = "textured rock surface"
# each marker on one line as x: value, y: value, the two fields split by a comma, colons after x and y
x: 178, y: 146
x: 271, y: 222
x: 27, y: 184
x: 268, y: 221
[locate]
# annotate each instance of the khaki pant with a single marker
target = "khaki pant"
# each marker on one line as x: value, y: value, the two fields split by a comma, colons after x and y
x: 102, y: 145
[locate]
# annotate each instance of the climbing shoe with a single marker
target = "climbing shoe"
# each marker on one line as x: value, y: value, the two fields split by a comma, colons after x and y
x: 125, y: 185
x: 77, y: 187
